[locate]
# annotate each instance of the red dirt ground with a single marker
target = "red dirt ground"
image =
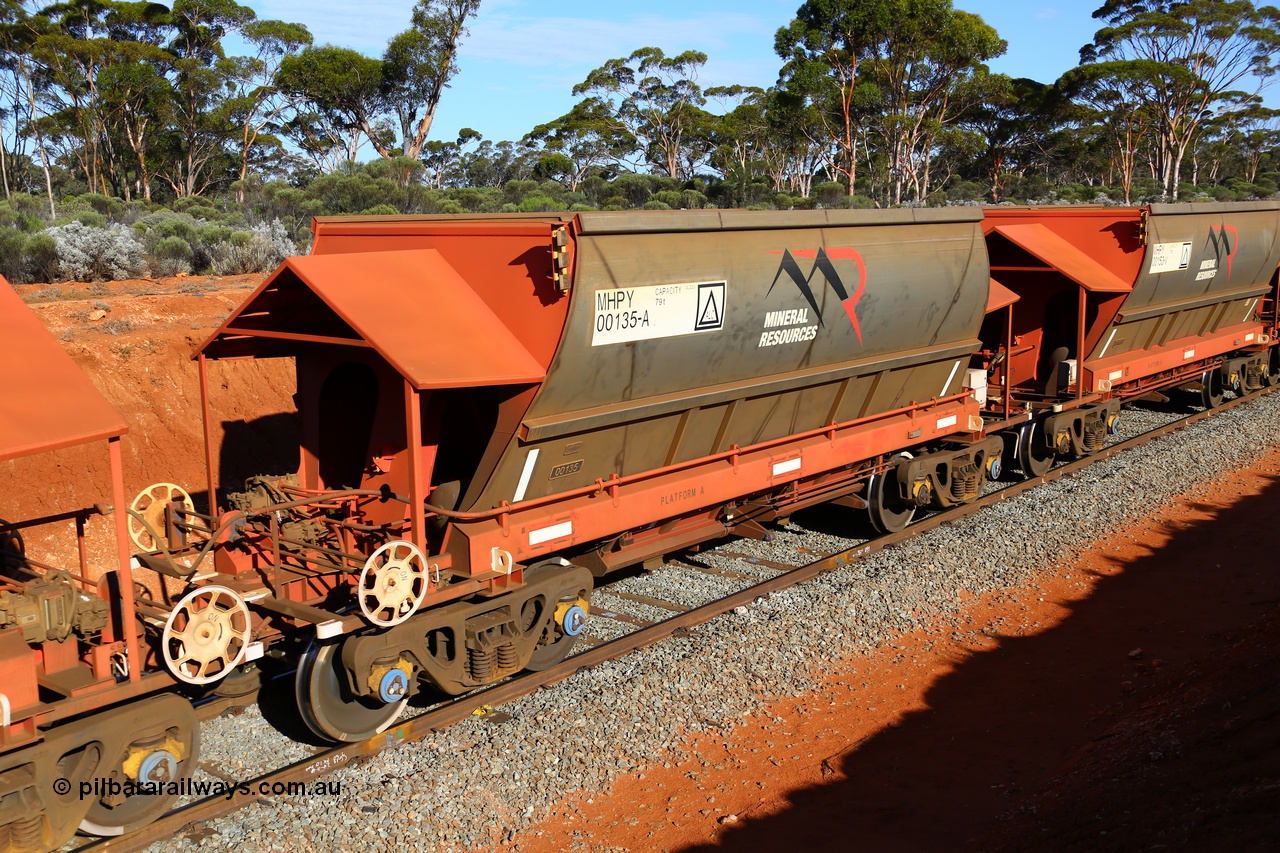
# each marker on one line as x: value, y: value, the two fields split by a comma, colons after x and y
x: 137, y: 352
x: 1126, y: 700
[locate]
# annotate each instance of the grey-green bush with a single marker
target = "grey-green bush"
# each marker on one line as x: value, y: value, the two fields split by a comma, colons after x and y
x: 260, y: 249
x: 90, y: 254
x: 171, y: 256
x: 11, y: 242
x: 40, y: 255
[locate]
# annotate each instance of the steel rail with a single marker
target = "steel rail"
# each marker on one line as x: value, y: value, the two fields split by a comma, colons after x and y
x: 417, y: 728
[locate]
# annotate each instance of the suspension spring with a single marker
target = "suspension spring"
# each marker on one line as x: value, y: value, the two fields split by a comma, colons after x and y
x: 964, y: 481
x: 25, y: 834
x: 507, y: 656
x: 1095, y: 434
x: 481, y: 663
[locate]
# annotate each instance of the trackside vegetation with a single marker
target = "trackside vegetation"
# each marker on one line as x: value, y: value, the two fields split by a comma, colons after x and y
x: 133, y: 141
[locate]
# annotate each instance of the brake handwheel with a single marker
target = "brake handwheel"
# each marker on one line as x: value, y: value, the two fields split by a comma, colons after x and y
x: 393, y: 583
x: 206, y: 634
x: 150, y: 504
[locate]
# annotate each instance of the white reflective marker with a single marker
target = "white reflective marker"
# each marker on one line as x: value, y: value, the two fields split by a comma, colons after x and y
x: 526, y: 474
x: 331, y: 628
x: 950, y: 376
x: 555, y: 531
x: 1107, y: 344
x: 786, y: 467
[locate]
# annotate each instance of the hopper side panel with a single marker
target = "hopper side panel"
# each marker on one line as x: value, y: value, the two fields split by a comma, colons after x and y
x: 897, y: 305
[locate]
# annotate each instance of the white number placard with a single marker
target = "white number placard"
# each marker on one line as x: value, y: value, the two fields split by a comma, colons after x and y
x: 659, y: 311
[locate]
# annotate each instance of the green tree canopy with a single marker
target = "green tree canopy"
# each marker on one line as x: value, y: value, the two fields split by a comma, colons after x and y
x: 1183, y: 59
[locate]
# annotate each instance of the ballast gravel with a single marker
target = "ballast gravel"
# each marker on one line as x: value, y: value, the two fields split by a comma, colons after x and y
x: 475, y: 784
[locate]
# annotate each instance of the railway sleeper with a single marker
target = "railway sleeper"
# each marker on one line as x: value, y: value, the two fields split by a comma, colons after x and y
x: 468, y: 644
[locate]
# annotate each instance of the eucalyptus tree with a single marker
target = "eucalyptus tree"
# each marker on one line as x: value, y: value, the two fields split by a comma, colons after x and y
x: 1216, y: 150
x: 1115, y: 100
x: 418, y: 64
x: 658, y: 101
x: 739, y: 135
x: 202, y: 126
x: 70, y: 47
x: 823, y: 50
x: 493, y: 164
x: 337, y: 104
x: 797, y: 146
x: 440, y: 161
x: 1255, y: 134
x: 1185, y: 60
x: 14, y: 81
x: 929, y: 67
x: 589, y: 138
x: 1015, y: 121
x: 136, y: 95
x: 257, y: 103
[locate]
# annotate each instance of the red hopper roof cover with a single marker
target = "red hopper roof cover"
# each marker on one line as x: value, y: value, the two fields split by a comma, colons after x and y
x: 412, y: 307
x: 46, y: 402
x: 1066, y: 258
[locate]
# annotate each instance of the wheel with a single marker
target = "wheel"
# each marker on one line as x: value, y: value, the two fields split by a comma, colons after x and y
x: 1211, y: 393
x: 561, y: 632
x: 163, y: 758
x: 326, y: 703
x: 888, y: 512
x: 1033, y: 457
x: 1272, y: 374
x: 13, y: 552
x: 206, y: 634
x: 150, y: 504
x: 243, y: 680
x: 392, y: 583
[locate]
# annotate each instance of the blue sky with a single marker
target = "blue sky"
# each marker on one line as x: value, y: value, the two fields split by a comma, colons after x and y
x: 522, y: 58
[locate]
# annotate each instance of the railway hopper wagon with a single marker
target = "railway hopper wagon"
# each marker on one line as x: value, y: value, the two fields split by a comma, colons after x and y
x: 1112, y: 304
x: 83, y: 698
x: 493, y: 410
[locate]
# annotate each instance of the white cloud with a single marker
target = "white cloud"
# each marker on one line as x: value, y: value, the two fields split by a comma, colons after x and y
x: 511, y: 31
x: 366, y: 26
x: 530, y: 40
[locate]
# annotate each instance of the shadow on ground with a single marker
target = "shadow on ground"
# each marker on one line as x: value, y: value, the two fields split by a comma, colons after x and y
x: 1005, y: 723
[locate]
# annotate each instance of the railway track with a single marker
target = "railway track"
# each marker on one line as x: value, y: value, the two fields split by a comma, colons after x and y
x: 635, y: 632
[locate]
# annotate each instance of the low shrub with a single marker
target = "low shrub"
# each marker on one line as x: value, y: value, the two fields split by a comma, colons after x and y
x: 41, y: 257
x: 538, y: 204
x: 258, y: 250
x: 44, y: 294
x: 12, y: 242
x: 171, y: 256
x: 91, y: 254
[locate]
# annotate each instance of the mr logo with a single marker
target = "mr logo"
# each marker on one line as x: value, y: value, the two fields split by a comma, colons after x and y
x: 1224, y: 240
x: 824, y: 262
